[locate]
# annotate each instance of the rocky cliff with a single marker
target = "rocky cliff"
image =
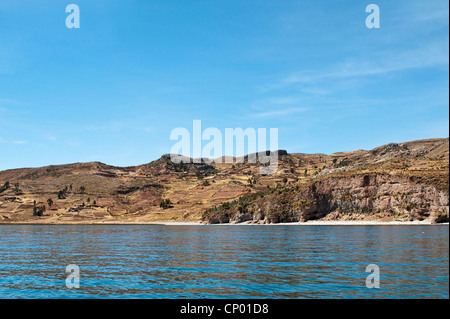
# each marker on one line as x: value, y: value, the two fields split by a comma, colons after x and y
x: 356, y: 197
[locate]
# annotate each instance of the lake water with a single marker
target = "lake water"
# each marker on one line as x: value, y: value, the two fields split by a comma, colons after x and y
x: 152, y: 261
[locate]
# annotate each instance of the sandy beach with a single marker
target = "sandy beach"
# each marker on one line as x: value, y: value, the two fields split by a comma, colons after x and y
x: 311, y: 223
x: 248, y: 223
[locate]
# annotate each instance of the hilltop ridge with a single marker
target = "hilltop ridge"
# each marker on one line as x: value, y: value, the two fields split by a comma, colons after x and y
x: 396, y: 181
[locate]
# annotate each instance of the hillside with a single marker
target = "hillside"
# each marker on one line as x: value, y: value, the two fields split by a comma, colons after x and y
x: 405, y: 181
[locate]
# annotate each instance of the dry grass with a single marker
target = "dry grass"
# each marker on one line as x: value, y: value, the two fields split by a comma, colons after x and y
x: 134, y: 193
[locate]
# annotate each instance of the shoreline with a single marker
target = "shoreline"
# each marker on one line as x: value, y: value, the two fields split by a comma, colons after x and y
x: 200, y: 223
x: 309, y: 223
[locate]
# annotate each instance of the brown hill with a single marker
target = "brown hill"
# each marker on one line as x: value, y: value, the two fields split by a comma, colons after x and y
x: 406, y: 181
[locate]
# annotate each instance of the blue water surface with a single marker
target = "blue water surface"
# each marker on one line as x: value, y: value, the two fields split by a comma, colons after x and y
x: 155, y: 261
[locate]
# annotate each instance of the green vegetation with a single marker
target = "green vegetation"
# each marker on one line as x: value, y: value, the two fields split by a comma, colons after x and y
x: 165, y: 203
x: 409, y: 206
x: 32, y: 175
x: 178, y: 167
x: 62, y: 194
x: 38, y: 211
x: 17, y: 190
x: 441, y: 217
x: 4, y: 187
x: 344, y: 162
x: 242, y: 202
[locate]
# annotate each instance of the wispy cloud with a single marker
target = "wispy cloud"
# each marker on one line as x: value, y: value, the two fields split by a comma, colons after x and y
x: 285, y: 100
x: 108, y: 126
x: 20, y: 142
x: 15, y: 142
x: 427, y: 11
x: 278, y: 106
x: 432, y: 55
x: 282, y: 112
x: 9, y: 101
x: 51, y: 137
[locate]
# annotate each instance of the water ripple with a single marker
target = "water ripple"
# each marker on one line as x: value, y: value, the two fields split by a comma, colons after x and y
x: 223, y: 262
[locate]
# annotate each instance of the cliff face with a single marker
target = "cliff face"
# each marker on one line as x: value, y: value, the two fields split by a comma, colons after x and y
x: 361, y: 196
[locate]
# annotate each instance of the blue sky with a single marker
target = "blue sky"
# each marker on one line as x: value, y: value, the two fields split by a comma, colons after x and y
x: 113, y: 90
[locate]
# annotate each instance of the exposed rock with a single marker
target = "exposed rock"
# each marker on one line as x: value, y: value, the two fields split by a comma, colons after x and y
x: 359, y: 196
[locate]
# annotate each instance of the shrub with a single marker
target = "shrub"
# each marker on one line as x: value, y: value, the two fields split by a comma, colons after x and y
x: 165, y: 203
x: 38, y: 211
x: 4, y: 187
